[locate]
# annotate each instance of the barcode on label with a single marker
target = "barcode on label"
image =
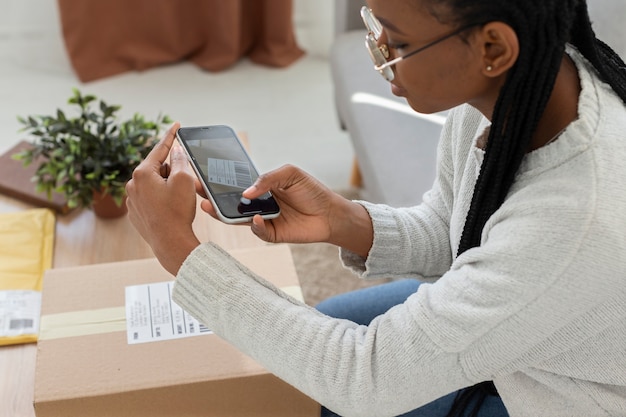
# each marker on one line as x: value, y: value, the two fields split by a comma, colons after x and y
x: 227, y: 172
x: 20, y: 324
x: 19, y: 312
x: 242, y: 174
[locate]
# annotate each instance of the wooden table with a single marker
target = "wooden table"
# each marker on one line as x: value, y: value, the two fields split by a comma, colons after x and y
x: 83, y: 239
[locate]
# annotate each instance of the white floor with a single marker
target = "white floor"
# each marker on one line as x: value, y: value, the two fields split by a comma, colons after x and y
x: 288, y: 114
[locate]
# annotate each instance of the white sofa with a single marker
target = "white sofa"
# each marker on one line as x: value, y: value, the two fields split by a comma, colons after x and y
x: 395, y: 147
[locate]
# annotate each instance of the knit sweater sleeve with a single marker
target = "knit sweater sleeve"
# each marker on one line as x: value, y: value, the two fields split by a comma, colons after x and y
x: 421, y: 234
x: 354, y: 370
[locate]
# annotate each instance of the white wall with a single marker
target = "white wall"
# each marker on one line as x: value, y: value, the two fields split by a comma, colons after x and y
x: 607, y: 17
x: 314, y: 22
x: 28, y: 18
x: 30, y: 35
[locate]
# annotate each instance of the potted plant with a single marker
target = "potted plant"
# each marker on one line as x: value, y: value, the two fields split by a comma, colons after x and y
x: 90, y: 157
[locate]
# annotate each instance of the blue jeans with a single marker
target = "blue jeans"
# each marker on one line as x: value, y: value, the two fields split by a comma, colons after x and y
x: 362, y: 306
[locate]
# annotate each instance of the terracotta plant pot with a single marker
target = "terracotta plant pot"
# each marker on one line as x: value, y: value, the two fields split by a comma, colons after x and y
x: 104, y: 206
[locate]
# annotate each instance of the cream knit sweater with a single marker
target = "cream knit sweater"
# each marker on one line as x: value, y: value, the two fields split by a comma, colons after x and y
x: 539, y: 307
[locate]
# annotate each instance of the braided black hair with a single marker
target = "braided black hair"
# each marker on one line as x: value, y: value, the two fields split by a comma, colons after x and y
x: 543, y: 27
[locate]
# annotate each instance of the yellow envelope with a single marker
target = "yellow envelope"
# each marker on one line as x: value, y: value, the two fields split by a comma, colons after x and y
x: 26, y: 245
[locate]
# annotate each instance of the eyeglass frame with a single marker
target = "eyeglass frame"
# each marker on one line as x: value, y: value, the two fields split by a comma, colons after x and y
x: 380, y: 54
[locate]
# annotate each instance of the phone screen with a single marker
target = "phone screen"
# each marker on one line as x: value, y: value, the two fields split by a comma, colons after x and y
x: 223, y: 165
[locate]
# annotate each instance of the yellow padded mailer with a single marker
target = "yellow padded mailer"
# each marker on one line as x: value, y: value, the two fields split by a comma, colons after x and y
x: 26, y: 245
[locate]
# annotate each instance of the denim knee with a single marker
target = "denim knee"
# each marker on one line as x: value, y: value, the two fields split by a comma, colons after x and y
x: 362, y: 306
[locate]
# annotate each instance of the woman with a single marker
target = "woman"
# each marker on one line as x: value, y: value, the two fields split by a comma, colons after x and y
x: 522, y: 234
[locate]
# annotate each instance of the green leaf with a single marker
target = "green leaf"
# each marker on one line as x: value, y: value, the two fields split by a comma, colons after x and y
x: 89, y: 98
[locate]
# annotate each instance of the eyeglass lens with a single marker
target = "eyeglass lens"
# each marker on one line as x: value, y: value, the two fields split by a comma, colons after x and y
x: 375, y: 30
x: 371, y: 23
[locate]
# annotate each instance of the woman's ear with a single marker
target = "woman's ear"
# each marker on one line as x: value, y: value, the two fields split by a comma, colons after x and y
x: 499, y: 48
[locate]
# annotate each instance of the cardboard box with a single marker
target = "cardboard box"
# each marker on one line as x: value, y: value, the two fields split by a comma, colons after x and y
x: 86, y: 367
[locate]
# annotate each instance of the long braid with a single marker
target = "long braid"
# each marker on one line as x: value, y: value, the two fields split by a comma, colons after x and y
x: 543, y: 28
x: 542, y: 36
x: 516, y: 115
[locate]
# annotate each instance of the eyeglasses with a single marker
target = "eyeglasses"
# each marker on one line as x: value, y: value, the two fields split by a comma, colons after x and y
x: 380, y: 54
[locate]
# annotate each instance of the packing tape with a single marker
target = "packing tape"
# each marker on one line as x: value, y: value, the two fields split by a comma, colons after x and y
x: 294, y: 291
x: 104, y: 320
x: 82, y: 323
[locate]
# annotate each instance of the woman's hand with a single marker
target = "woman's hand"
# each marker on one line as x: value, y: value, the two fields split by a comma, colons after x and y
x: 309, y: 212
x: 162, y: 202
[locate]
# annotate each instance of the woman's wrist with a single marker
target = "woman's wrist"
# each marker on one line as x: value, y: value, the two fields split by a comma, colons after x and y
x: 172, y: 253
x: 351, y: 227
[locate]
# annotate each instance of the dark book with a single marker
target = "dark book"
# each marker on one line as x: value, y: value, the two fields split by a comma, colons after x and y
x: 16, y: 182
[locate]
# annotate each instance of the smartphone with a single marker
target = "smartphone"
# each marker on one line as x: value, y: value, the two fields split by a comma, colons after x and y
x: 225, y: 171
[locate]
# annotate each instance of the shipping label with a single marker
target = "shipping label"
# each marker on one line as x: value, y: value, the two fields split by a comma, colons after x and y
x: 152, y: 315
x: 227, y: 172
x: 19, y: 312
